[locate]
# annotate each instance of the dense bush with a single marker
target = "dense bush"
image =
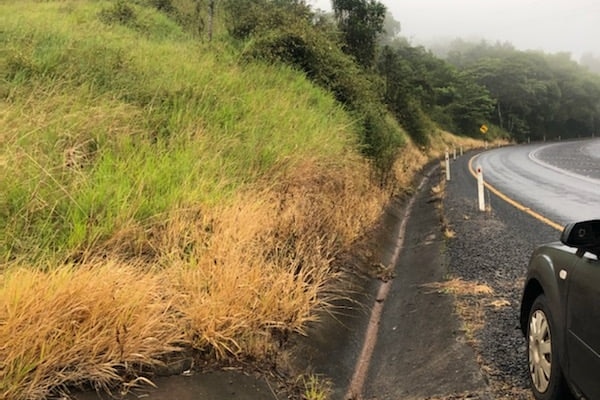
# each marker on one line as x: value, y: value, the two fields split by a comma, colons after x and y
x: 272, y: 37
x: 120, y: 12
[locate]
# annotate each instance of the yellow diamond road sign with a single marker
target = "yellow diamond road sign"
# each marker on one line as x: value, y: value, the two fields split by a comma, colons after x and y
x: 483, y: 129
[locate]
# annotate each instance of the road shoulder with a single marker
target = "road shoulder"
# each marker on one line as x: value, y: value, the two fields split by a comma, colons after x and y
x: 421, y: 351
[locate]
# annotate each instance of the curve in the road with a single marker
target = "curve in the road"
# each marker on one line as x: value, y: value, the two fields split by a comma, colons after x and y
x: 513, y: 202
x: 558, y: 182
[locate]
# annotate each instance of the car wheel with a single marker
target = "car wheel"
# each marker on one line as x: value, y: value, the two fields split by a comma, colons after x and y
x: 545, y: 373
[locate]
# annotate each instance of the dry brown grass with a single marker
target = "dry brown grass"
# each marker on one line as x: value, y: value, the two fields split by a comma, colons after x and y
x: 230, y: 281
x: 448, y: 232
x: 411, y: 161
x: 438, y: 192
x: 469, y: 301
x: 448, y: 141
x: 268, y: 263
x: 459, y: 287
x: 77, y: 324
x: 414, y: 158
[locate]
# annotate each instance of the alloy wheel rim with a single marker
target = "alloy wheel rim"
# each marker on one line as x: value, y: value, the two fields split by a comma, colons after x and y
x: 540, y: 351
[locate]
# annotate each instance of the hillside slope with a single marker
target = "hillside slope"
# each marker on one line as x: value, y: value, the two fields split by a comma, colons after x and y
x: 161, y: 197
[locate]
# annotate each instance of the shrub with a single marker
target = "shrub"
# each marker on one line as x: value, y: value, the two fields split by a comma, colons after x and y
x: 322, y: 60
x: 416, y: 123
x: 120, y: 13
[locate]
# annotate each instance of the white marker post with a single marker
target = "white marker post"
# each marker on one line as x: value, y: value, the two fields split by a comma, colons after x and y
x: 454, y: 156
x: 480, y: 189
x: 447, y: 166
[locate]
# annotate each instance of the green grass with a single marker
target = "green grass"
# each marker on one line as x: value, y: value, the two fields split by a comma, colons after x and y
x: 105, y: 125
x: 157, y: 192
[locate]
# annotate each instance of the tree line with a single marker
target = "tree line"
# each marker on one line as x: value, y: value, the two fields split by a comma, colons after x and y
x: 536, y: 95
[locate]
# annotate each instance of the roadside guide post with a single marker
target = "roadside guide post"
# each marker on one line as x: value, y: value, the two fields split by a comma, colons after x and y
x: 480, y: 193
x: 454, y: 154
x: 447, y: 166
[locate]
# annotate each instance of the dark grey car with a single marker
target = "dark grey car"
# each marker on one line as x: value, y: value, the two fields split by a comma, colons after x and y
x: 560, y: 315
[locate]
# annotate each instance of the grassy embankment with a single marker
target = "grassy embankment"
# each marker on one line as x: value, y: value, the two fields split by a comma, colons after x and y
x: 157, y: 195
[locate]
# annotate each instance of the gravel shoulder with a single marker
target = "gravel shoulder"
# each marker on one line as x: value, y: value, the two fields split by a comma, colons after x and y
x: 491, y: 249
x: 421, y: 351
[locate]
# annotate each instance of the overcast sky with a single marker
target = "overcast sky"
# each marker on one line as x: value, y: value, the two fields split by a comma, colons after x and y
x: 549, y: 25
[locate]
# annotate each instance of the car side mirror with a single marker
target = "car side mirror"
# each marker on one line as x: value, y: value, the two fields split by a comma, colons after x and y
x: 585, y: 236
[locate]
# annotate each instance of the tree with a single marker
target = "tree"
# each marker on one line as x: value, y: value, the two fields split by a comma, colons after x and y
x: 391, y: 30
x: 258, y: 17
x: 591, y: 61
x: 416, y: 83
x: 360, y: 22
x: 536, y: 95
x: 471, y: 104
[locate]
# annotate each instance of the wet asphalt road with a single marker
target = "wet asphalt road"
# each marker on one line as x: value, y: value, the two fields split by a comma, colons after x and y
x: 493, y: 247
x: 559, y: 180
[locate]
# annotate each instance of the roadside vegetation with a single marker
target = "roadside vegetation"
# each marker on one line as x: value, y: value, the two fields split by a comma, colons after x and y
x: 181, y: 179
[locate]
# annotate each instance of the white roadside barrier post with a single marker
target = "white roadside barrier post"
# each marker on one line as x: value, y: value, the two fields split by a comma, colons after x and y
x: 461, y: 151
x: 454, y: 156
x: 447, y: 166
x: 480, y: 193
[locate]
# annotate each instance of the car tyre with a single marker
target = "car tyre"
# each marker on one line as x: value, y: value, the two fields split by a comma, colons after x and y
x: 545, y: 373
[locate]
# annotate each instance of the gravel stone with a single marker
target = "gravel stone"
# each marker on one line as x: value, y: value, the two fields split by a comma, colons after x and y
x: 493, y: 248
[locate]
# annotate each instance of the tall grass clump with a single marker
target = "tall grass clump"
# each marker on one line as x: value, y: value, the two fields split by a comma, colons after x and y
x: 157, y: 193
x: 261, y: 268
x: 75, y: 325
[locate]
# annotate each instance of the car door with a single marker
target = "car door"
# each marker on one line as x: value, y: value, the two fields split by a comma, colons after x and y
x: 583, y: 325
